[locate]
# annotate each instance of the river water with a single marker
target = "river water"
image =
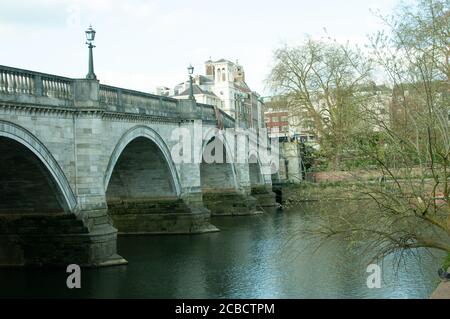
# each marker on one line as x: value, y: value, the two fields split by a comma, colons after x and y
x: 258, y: 256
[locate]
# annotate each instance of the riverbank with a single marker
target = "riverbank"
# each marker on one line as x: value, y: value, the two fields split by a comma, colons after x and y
x: 326, y: 191
x: 443, y: 290
x: 294, y: 194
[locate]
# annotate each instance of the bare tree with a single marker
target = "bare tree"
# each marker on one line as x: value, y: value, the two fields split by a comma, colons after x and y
x: 320, y: 82
x: 412, y: 147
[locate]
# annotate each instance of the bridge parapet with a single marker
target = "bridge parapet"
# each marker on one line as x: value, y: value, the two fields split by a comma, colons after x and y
x: 51, y: 91
x: 130, y: 101
x: 228, y: 121
x: 208, y: 113
x: 24, y: 82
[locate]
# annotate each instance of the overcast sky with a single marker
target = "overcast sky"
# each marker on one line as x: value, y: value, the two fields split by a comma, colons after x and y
x: 142, y: 44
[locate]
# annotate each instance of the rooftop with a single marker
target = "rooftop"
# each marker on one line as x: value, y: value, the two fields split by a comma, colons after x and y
x: 197, y: 90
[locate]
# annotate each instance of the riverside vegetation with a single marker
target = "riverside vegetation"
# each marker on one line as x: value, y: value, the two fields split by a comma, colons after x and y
x: 398, y: 131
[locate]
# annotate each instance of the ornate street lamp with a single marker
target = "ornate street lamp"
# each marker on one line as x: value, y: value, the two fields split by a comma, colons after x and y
x: 90, y: 36
x: 191, y: 89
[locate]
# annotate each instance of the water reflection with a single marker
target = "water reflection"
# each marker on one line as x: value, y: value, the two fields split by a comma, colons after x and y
x: 252, y: 257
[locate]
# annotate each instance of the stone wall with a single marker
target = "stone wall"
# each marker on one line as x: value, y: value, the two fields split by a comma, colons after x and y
x: 73, y: 149
x: 291, y: 162
x: 255, y: 174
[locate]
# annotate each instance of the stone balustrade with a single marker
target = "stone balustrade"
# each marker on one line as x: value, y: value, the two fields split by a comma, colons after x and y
x: 24, y: 86
x: 208, y: 114
x: 13, y: 81
x: 55, y: 87
x: 129, y: 101
x: 18, y: 81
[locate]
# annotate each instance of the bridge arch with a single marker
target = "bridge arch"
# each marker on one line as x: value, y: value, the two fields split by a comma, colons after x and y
x: 144, y: 137
x: 255, y: 171
x: 217, y: 175
x: 14, y: 138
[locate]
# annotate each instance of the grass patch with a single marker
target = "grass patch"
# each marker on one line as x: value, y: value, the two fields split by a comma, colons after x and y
x: 446, y: 263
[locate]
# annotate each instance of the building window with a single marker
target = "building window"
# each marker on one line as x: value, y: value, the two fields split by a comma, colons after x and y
x: 284, y: 118
x: 218, y: 74
x: 274, y: 118
x: 224, y: 78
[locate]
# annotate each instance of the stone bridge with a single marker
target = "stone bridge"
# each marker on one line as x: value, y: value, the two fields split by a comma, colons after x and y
x: 81, y: 162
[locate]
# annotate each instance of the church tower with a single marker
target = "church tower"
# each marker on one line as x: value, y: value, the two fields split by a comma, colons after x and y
x: 238, y: 73
x: 210, y: 69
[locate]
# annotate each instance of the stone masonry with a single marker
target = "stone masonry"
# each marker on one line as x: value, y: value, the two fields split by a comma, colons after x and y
x: 81, y: 161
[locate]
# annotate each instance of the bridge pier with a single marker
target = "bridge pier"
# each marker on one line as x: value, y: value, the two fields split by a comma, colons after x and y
x: 264, y: 195
x: 254, y: 182
x: 228, y: 202
x: 261, y: 185
x: 163, y: 215
x: 57, y: 239
x: 226, y: 189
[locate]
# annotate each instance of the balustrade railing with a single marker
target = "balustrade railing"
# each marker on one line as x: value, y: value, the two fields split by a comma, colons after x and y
x: 210, y: 113
x: 56, y: 87
x: 227, y: 119
x: 17, y: 81
x: 109, y: 95
x: 14, y: 82
x: 135, y: 99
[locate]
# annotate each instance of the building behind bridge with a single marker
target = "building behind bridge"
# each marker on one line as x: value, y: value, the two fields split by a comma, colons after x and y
x: 223, y: 85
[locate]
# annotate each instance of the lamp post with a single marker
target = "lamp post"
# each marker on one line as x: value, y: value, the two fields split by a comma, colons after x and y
x: 191, y: 88
x: 90, y: 36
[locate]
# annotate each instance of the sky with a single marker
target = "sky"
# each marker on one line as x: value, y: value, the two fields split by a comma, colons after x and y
x: 143, y: 44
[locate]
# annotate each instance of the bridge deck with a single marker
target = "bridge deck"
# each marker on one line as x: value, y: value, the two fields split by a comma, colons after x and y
x: 38, y: 89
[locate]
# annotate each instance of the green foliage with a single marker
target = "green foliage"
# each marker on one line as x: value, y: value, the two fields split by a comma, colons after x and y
x: 321, y: 82
x: 313, y: 160
x: 407, y: 146
x: 446, y: 263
